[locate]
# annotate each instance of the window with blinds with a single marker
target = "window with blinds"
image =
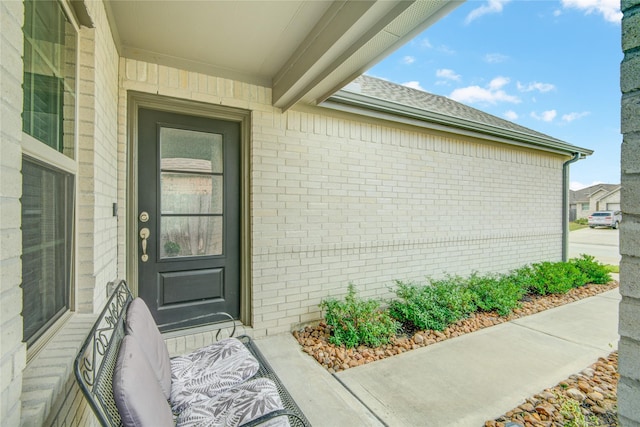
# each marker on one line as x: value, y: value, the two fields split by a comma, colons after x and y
x: 47, y: 213
x: 48, y: 117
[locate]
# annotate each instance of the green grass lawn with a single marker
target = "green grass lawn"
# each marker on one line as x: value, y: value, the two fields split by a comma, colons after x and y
x: 575, y: 226
x: 613, y: 268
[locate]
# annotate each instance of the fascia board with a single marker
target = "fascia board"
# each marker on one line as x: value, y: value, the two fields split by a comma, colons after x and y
x: 344, y: 29
x: 393, y: 111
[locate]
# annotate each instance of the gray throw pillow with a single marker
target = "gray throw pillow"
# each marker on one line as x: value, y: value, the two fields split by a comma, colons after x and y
x: 136, y: 391
x: 142, y: 327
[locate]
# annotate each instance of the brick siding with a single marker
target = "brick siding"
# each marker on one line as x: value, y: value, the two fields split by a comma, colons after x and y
x: 336, y: 198
x: 12, y: 349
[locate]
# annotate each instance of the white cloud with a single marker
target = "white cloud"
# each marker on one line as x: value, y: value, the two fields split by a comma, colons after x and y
x: 609, y: 9
x: 576, y: 185
x: 495, y: 58
x: 492, y: 94
x: 546, y: 116
x: 511, y: 115
x: 574, y: 116
x: 492, y: 6
x: 540, y: 87
x: 408, y: 60
x: 446, y: 73
x: 498, y: 82
x: 414, y: 85
x: 426, y: 43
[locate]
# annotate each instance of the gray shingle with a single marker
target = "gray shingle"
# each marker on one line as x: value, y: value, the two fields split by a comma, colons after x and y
x: 388, y: 91
x: 583, y: 195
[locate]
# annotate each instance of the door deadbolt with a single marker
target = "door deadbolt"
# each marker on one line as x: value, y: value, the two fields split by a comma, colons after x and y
x: 144, y: 216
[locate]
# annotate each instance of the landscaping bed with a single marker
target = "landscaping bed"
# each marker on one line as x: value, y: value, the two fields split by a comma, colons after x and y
x: 585, y: 399
x: 356, y: 331
x: 315, y: 339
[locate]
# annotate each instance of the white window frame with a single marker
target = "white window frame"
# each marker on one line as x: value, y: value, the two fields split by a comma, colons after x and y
x: 41, y: 152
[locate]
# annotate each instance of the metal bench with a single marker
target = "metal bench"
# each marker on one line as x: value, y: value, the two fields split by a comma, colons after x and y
x: 94, y: 366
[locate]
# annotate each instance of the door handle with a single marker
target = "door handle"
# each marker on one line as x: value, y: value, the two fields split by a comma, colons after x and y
x: 144, y: 235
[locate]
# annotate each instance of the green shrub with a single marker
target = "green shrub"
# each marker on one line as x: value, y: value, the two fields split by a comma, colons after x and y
x: 582, y: 221
x: 594, y: 271
x: 433, y: 306
x: 555, y: 278
x: 524, y: 277
x: 440, y: 303
x: 571, y: 411
x: 496, y: 292
x: 356, y: 321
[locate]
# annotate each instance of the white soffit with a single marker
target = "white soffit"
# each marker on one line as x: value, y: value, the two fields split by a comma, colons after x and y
x: 302, y: 49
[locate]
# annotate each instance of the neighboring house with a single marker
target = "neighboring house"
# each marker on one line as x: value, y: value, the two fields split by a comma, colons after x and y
x: 598, y: 197
x: 206, y: 152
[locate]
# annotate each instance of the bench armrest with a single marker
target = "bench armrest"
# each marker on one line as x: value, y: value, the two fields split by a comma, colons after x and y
x: 204, y: 316
x: 96, y: 359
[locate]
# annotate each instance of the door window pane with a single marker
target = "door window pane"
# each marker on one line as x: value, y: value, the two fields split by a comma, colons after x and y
x: 46, y: 245
x: 190, y: 236
x: 190, y: 151
x: 185, y: 193
x: 191, y: 193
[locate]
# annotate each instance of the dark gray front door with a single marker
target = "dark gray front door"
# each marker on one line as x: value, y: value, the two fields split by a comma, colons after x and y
x: 188, y: 217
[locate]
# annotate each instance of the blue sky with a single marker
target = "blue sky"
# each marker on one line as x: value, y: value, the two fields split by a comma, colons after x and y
x: 550, y: 65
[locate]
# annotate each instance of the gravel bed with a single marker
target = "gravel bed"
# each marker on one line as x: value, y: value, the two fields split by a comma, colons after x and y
x: 592, y: 392
x: 315, y: 339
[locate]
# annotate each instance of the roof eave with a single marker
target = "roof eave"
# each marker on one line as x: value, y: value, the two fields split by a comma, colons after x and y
x: 393, y: 111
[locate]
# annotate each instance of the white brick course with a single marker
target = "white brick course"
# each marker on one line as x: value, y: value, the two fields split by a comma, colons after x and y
x: 12, y: 350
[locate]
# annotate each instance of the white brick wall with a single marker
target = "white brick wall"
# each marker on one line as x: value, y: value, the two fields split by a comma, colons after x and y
x: 336, y: 199
x: 50, y: 394
x: 105, y: 145
x: 98, y: 151
x: 12, y: 350
x: 85, y: 178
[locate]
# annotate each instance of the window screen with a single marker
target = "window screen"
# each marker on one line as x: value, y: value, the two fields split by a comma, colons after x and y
x: 47, y: 212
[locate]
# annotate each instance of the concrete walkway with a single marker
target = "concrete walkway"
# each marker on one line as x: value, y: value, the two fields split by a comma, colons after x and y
x: 462, y: 381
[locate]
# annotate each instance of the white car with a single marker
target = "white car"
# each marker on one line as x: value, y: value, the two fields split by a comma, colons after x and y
x: 605, y: 219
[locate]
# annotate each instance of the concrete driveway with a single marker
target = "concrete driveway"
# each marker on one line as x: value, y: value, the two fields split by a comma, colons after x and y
x: 602, y: 243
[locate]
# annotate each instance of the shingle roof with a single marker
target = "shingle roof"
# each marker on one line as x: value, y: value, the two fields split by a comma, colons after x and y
x: 583, y: 195
x: 388, y: 91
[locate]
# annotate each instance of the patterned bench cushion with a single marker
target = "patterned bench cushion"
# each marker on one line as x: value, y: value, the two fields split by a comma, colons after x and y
x: 208, y: 371
x: 235, y: 406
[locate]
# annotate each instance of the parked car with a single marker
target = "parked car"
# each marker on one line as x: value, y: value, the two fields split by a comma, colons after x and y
x: 605, y: 219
